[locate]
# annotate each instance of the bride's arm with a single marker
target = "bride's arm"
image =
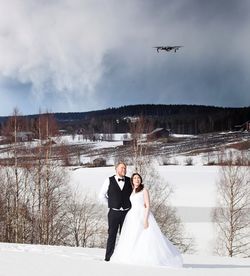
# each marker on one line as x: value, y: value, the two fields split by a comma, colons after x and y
x: 146, y: 205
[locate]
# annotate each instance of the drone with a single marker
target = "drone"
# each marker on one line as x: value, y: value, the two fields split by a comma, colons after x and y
x: 167, y: 48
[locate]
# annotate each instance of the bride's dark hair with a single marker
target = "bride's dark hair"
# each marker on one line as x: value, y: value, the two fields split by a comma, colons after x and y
x: 141, y: 186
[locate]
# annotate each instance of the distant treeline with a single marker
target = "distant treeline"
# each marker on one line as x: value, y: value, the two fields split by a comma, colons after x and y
x: 190, y: 119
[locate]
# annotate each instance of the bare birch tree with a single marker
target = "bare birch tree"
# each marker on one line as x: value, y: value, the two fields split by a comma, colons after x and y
x: 85, y: 222
x: 138, y: 130
x: 232, y: 217
x: 3, y: 211
x: 11, y: 130
x: 50, y: 187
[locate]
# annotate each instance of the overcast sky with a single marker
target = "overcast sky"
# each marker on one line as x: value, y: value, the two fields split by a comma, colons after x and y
x: 80, y: 55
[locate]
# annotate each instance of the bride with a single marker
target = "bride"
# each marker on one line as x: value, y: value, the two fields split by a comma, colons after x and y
x: 141, y: 240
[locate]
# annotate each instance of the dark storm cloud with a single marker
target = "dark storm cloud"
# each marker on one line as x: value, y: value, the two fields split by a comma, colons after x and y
x: 176, y: 82
x: 212, y: 68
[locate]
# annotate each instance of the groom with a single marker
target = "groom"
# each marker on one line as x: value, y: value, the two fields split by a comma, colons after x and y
x: 116, y: 191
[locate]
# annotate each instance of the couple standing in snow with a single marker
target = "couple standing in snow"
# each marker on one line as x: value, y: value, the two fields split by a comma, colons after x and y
x: 141, y: 240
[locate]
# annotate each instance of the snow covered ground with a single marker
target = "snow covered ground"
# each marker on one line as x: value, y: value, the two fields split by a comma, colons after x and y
x: 41, y: 260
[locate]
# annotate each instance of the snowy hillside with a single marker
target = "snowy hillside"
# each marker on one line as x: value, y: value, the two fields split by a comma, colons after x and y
x: 38, y: 260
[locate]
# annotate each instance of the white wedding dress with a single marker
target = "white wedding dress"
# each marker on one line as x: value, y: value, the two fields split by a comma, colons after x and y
x: 141, y: 246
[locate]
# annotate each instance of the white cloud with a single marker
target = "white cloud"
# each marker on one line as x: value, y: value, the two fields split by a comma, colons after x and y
x: 56, y: 46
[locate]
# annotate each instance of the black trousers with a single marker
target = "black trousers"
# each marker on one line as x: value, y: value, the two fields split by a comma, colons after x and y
x: 115, y: 222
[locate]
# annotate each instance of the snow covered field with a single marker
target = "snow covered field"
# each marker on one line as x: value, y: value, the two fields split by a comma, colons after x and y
x: 194, y: 186
x: 41, y: 260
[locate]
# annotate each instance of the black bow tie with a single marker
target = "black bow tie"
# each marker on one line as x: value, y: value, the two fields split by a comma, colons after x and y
x: 120, y: 179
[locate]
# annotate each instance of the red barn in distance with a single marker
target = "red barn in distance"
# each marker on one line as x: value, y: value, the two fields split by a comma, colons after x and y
x: 158, y: 133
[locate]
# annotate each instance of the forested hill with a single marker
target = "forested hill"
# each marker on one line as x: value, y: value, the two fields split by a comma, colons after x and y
x: 191, y: 119
x: 179, y: 118
x: 154, y: 110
